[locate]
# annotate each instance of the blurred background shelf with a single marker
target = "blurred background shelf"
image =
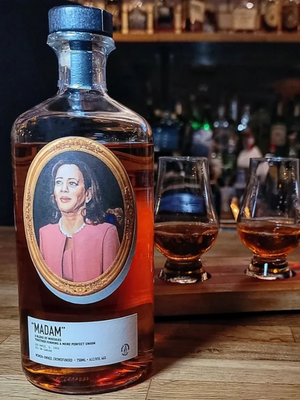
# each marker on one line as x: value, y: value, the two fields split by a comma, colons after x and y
x: 214, y: 37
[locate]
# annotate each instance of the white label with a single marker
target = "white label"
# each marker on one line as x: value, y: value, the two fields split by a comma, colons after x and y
x: 197, y: 10
x: 82, y: 344
x: 244, y: 19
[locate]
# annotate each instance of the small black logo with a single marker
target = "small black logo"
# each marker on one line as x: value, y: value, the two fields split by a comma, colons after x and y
x: 125, y: 349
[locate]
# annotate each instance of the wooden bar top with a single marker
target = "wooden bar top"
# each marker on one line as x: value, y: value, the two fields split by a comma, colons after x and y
x: 253, y: 356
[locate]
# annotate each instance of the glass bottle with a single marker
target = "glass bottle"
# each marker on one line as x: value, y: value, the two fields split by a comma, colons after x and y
x: 168, y: 16
x: 83, y: 176
x: 166, y: 135
x: 181, y: 122
x: 245, y: 16
x: 290, y: 15
x: 270, y: 15
x: 210, y: 19
x: 231, y: 151
x: 224, y: 16
x: 164, y: 15
x: 137, y: 17
x: 114, y: 8
x: 193, y: 15
x: 221, y: 129
x: 249, y: 150
x: 278, y: 131
x: 294, y: 130
x: 199, y: 138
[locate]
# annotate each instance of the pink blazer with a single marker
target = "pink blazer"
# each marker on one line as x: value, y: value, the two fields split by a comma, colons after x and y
x: 94, y: 249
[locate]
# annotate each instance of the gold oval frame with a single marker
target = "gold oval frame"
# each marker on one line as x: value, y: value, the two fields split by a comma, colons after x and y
x: 52, y: 149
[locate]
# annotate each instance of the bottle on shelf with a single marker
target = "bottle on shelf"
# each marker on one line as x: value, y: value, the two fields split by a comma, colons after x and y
x: 83, y: 176
x: 168, y: 16
x: 294, y: 130
x: 199, y: 137
x: 249, y: 150
x: 260, y: 124
x: 230, y: 154
x: 246, y: 16
x: 233, y: 112
x: 210, y: 17
x: 290, y: 15
x: 137, y: 17
x: 246, y: 149
x: 278, y: 130
x: 181, y: 121
x: 193, y: 15
x: 163, y: 15
x: 270, y: 15
x: 114, y: 7
x: 224, y: 16
x: 221, y: 128
x: 166, y: 135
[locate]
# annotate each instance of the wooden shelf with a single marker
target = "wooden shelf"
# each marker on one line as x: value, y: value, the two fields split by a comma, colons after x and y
x: 259, y: 37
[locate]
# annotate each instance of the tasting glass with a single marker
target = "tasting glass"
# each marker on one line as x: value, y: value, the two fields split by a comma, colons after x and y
x: 268, y: 222
x: 186, y: 223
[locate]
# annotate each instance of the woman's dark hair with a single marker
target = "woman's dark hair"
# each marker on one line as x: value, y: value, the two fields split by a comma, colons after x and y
x: 94, y: 213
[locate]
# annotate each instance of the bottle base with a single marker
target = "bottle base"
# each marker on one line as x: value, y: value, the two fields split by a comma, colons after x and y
x: 91, y: 381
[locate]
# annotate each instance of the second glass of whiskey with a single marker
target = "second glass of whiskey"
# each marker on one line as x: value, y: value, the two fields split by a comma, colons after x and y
x: 186, y: 224
x: 269, y: 220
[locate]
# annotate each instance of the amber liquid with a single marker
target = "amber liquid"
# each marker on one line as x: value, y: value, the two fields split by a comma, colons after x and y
x: 135, y: 295
x: 184, y: 241
x: 269, y: 239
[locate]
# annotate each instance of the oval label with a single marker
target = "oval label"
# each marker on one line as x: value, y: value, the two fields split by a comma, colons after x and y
x: 80, y: 219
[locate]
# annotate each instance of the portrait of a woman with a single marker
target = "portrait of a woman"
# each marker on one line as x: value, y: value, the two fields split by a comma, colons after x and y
x: 78, y: 245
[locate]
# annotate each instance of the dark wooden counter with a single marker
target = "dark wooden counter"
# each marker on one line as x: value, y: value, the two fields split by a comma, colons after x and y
x: 254, y: 356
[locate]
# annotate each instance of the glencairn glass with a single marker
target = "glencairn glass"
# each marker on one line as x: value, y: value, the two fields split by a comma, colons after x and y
x: 186, y: 223
x: 269, y: 221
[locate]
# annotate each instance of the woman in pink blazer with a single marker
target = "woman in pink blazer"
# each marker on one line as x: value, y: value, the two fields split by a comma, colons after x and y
x: 80, y: 245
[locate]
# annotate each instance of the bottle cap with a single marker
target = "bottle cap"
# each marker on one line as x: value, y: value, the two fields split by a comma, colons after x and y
x: 80, y: 19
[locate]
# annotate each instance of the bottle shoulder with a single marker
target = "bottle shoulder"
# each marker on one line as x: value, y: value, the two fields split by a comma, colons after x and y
x: 82, y: 113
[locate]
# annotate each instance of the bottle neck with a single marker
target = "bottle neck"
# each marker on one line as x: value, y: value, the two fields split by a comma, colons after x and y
x: 82, y: 60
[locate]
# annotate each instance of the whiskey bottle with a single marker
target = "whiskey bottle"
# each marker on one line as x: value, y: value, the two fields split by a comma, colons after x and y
x: 83, y: 184
x: 270, y: 15
x: 199, y: 132
x: 294, y: 130
x: 167, y: 16
x: 221, y: 128
x: 224, y: 16
x: 137, y: 17
x: 245, y: 16
x: 193, y: 15
x: 290, y: 15
x: 114, y: 8
x: 278, y: 130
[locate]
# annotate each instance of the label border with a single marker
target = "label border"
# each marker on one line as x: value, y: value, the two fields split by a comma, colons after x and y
x: 110, y: 280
